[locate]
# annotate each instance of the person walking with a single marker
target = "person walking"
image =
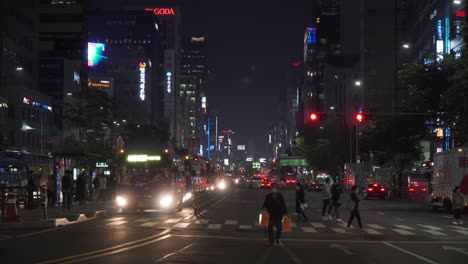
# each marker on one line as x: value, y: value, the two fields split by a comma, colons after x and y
x: 67, y: 189
x: 326, y: 197
x: 300, y: 202
x: 275, y: 205
x: 81, y: 189
x: 335, y: 203
x: 458, y: 202
x: 96, y: 188
x: 354, y: 208
x: 103, y: 188
x: 51, y: 190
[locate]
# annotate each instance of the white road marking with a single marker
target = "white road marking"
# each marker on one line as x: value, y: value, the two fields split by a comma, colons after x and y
x: 188, y: 217
x: 174, y: 220
x: 245, y: 227
x: 318, y: 225
x: 403, y: 232
x: 181, y: 225
x: 459, y: 227
x: 116, y: 223
x: 463, y: 232
x: 372, y: 231
x: 214, y: 226
x: 380, y: 213
x: 142, y: 219
x: 202, y: 221
x: 115, y: 219
x: 173, y: 253
x: 410, y: 253
x: 399, y: 219
x: 431, y: 227
x: 404, y: 227
x: 447, y: 217
x: 149, y: 224
x: 435, y: 232
x: 309, y: 229
x: 344, y: 225
x: 340, y: 230
x: 342, y: 248
x: 294, y: 257
x: 375, y: 226
x: 231, y: 222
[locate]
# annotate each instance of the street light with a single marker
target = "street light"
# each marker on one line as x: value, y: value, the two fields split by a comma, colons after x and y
x: 357, y: 83
x: 406, y: 46
x: 457, y: 2
x: 19, y: 68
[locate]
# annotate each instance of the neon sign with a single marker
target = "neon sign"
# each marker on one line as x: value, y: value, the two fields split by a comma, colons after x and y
x: 161, y: 11
x: 311, y: 35
x: 168, y: 82
x: 461, y: 13
x: 142, y: 158
x: 142, y: 80
x: 439, y: 30
x: 36, y: 104
x: 95, y: 53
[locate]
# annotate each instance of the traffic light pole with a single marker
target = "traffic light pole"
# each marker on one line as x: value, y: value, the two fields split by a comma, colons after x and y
x: 357, y: 153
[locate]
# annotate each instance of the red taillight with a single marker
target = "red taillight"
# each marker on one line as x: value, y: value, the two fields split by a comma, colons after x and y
x: 146, y: 188
x: 411, y: 190
x: 375, y: 185
x: 382, y: 190
x: 423, y: 189
x: 370, y: 189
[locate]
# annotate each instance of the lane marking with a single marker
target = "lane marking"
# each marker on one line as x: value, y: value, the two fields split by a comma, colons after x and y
x: 435, y: 232
x: 404, y: 227
x: 380, y: 213
x: 174, y: 253
x: 459, y: 227
x: 38, y: 232
x: 447, y: 217
x: 173, y: 220
x: 214, y: 226
x: 230, y: 222
x: 114, y: 219
x: 375, y: 226
x: 372, y: 231
x: 308, y: 229
x: 116, y: 223
x: 463, y: 232
x: 399, y: 219
x: 149, y: 224
x: 188, y: 217
x: 291, y: 254
x: 410, y: 253
x: 264, y: 257
x: 124, y: 245
x: 431, y: 227
x: 342, y: 248
x: 4, y: 237
x: 403, y: 232
x: 202, y: 221
x: 181, y: 225
x: 318, y: 225
x: 142, y: 219
x: 245, y: 227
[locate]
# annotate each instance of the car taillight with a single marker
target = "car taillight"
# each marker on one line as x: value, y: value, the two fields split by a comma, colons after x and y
x: 375, y: 185
x: 382, y: 190
x: 370, y: 189
x: 411, y: 190
x: 423, y: 189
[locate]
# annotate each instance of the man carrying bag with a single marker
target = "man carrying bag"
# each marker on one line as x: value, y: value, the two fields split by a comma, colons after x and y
x: 275, y: 205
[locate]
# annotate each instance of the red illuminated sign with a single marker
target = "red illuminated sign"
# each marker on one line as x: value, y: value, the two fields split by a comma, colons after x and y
x: 461, y: 13
x: 296, y: 64
x: 161, y: 11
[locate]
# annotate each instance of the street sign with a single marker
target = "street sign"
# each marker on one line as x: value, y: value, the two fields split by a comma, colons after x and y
x: 102, y: 165
x: 256, y: 165
x: 293, y: 162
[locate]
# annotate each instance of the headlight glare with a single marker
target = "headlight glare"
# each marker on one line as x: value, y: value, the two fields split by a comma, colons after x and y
x: 121, y: 201
x: 166, y: 201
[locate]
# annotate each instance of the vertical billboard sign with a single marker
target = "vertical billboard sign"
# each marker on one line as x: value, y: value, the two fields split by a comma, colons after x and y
x: 439, y: 40
x: 95, y: 53
x: 142, y: 66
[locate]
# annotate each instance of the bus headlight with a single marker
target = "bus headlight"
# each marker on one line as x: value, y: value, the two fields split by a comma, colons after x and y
x: 166, y: 201
x: 121, y: 201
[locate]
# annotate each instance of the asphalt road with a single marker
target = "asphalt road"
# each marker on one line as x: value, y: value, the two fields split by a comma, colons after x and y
x: 226, y: 231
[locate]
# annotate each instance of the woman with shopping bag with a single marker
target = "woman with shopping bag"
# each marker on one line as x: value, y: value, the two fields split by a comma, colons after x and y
x: 275, y: 205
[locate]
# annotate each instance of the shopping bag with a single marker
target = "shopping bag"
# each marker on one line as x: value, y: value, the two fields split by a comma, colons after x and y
x: 263, y: 219
x: 304, y: 206
x: 286, y: 224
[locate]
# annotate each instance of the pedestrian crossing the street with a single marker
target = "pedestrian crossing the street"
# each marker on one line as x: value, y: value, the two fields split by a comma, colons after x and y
x: 330, y: 227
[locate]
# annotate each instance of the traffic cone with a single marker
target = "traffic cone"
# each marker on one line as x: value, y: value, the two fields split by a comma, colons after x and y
x: 10, y: 213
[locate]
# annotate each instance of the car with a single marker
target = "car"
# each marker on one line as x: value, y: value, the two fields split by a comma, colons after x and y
x: 375, y: 190
x: 266, y: 183
x: 255, y: 182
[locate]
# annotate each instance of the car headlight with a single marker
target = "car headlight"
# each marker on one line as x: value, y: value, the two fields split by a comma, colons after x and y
x: 212, y: 187
x: 121, y: 201
x: 221, y: 185
x: 166, y: 201
x: 236, y: 181
x: 186, y: 197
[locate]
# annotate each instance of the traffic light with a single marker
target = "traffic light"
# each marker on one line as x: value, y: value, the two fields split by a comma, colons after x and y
x: 121, y: 151
x: 359, y: 117
x: 166, y: 151
x: 187, y: 157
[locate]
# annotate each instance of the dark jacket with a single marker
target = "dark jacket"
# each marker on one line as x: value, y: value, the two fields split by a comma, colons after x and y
x: 300, y: 196
x: 355, y: 199
x: 335, y: 192
x: 275, y: 206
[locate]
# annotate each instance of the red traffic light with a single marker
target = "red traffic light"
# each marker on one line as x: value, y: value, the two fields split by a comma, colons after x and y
x: 313, y: 117
x: 359, y: 117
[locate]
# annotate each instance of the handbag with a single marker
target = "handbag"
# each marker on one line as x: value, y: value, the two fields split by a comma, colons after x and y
x: 286, y: 224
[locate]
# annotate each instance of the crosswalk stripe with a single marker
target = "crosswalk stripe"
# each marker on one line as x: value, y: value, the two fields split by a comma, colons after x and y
x: 214, y: 226
x: 308, y: 229
x: 231, y: 222
x: 340, y: 230
x: 142, y: 219
x: 375, y: 226
x: 344, y: 225
x: 403, y: 232
x: 431, y: 227
x: 245, y: 227
x: 405, y: 227
x: 149, y: 224
x: 181, y: 225
x: 318, y: 225
x: 116, y: 223
x: 174, y: 220
x: 114, y: 219
x: 460, y: 227
x: 372, y: 231
x: 202, y: 221
x: 435, y: 232
x: 463, y: 232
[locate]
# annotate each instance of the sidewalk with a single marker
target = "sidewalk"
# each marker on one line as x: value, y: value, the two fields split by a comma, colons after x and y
x: 59, y: 216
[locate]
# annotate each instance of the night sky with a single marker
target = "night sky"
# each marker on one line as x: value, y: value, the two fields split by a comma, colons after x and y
x: 250, y: 44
